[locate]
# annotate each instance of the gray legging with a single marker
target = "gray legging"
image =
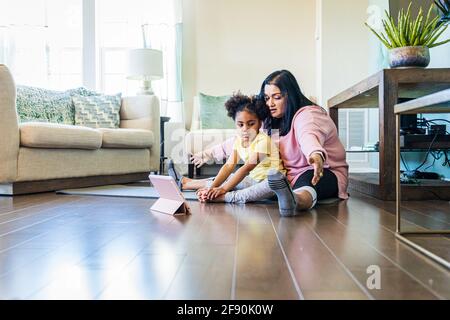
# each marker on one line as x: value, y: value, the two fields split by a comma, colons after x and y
x: 248, y: 190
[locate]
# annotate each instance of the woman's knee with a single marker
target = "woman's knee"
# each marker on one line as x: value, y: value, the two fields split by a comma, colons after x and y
x: 305, y: 200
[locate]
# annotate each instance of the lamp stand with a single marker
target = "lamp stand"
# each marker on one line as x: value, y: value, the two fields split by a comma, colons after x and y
x: 146, y: 88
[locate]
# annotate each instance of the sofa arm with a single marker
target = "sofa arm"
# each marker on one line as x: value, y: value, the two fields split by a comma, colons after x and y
x: 9, y: 127
x: 214, y: 144
x: 142, y: 112
x: 195, y: 121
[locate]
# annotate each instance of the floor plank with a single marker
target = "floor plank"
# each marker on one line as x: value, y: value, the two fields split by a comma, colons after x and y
x: 318, y: 273
x: 71, y: 247
x: 350, y: 248
x: 261, y: 269
x: 383, y: 241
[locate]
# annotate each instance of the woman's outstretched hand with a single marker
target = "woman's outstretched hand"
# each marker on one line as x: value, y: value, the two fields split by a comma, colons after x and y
x: 198, y: 159
x: 317, y: 162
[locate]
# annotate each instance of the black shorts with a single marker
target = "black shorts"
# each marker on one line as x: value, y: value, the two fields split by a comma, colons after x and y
x: 326, y: 188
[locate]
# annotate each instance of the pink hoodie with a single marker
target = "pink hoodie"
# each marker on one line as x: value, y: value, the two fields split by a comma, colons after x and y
x: 312, y: 130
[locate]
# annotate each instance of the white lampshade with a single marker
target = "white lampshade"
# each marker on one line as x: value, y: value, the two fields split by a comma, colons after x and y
x: 145, y: 64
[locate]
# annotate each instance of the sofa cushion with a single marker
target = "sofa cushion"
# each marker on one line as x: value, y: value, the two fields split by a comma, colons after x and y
x: 97, y: 111
x: 43, y: 105
x: 44, y: 164
x: 127, y: 138
x: 213, y: 114
x: 59, y: 136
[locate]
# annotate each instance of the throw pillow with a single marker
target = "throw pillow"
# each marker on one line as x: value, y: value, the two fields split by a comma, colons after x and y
x: 97, y: 111
x: 213, y: 114
x: 43, y: 105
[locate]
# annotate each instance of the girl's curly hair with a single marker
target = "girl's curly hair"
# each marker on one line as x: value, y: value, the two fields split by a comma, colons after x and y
x: 253, y: 104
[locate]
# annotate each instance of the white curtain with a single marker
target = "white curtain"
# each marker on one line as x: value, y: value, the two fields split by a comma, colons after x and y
x: 166, y: 34
x: 25, y: 48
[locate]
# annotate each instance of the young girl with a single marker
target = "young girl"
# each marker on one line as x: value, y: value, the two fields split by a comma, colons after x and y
x: 253, y: 147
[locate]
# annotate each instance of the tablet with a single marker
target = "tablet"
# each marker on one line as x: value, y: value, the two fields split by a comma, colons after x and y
x: 171, y: 200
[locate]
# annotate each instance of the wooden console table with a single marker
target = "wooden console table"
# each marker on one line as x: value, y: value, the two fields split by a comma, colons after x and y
x: 435, y: 103
x: 382, y: 91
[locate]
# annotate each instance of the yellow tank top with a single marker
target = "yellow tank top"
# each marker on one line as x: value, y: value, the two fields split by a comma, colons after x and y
x: 262, y: 144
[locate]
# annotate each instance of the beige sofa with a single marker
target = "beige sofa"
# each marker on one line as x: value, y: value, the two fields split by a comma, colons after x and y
x: 37, y: 157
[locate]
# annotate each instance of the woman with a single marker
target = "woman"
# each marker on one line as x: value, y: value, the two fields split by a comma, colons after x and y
x: 309, y: 146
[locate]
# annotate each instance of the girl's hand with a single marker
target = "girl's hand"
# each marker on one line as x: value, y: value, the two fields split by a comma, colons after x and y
x: 202, y: 195
x: 215, y: 192
x: 317, y: 162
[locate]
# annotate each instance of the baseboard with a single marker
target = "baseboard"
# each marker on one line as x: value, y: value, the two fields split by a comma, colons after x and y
x: 6, y: 189
x: 28, y: 187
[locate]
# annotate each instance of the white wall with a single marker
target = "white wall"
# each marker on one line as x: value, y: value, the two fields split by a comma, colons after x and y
x: 232, y: 45
x: 440, y: 56
x: 347, y: 51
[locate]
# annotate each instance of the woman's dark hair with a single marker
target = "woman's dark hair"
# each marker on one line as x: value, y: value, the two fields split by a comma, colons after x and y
x: 289, y: 88
x: 239, y: 102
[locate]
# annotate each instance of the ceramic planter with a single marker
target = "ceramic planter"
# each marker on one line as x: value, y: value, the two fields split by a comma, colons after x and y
x: 409, y: 57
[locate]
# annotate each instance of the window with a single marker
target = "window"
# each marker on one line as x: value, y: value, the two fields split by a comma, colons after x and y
x: 42, y: 44
x: 354, y: 135
x: 120, y: 29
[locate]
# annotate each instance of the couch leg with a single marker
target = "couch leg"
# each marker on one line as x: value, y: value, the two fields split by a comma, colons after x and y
x: 191, y: 170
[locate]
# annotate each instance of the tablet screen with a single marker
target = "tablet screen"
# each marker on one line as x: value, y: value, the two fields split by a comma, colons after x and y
x: 166, y: 187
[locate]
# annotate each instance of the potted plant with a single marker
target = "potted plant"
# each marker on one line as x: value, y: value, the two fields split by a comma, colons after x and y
x: 409, y: 39
x: 444, y: 6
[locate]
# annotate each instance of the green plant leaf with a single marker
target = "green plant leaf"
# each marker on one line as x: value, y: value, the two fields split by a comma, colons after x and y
x: 436, y: 36
x: 439, y: 43
x: 389, y: 34
x: 381, y: 37
x: 395, y: 33
x: 415, y: 39
x: 412, y: 31
x: 429, y: 14
x: 429, y: 30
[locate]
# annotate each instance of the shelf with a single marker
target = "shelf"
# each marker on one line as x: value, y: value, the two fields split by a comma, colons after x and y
x: 383, y: 91
x: 362, y: 151
x: 434, y: 103
x: 365, y: 94
x: 403, y: 150
x: 368, y: 183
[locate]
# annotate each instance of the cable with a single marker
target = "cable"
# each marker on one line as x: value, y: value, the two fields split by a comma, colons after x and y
x: 447, y: 159
x: 428, y: 153
x: 404, y: 162
x: 437, y: 154
x: 434, y: 161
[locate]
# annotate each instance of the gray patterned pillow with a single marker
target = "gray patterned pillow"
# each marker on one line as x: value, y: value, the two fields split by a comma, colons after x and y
x: 43, y: 105
x: 97, y: 111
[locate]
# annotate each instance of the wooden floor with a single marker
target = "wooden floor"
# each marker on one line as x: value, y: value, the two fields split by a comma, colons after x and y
x: 72, y: 247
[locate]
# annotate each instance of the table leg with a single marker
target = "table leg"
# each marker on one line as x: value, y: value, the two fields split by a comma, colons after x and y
x: 398, y: 188
x: 388, y: 96
x: 398, y: 198
x: 191, y: 170
x: 334, y: 115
